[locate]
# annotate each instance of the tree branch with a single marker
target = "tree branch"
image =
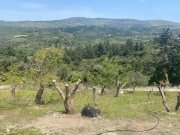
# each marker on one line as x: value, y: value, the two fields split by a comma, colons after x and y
x: 73, y: 91
x: 61, y: 93
x: 68, y: 95
x: 123, y: 85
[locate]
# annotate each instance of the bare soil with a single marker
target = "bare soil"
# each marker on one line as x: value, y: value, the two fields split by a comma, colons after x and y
x: 76, y: 125
x: 2, y: 117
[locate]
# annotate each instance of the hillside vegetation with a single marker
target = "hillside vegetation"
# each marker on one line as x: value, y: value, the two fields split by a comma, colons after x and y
x: 37, y: 58
x: 95, y: 54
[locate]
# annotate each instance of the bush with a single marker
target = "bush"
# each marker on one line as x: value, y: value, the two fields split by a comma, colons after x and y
x: 137, y: 78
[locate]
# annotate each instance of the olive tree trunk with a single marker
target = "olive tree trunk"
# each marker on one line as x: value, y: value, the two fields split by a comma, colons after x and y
x: 103, y: 90
x: 94, y: 95
x: 134, y: 87
x: 13, y: 88
x: 39, y: 94
x: 119, y: 88
x: 67, y: 96
x: 163, y: 98
x: 178, y: 101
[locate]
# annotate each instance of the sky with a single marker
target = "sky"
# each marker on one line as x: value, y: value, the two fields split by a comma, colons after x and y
x: 34, y: 10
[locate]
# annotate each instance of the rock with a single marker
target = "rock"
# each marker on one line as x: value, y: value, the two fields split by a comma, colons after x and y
x: 89, y: 111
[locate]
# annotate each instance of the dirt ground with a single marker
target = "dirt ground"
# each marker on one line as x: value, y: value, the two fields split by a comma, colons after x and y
x: 63, y: 124
x: 2, y: 117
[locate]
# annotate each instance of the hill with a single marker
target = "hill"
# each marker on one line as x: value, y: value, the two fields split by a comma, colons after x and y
x: 81, y: 31
x: 81, y: 21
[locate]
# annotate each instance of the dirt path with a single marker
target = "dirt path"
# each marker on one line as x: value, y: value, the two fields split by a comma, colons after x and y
x: 61, y: 124
x: 155, y: 89
x: 76, y: 125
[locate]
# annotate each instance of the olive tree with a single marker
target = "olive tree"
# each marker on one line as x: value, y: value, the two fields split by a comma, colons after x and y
x: 13, y: 77
x: 67, y: 96
x: 43, y: 63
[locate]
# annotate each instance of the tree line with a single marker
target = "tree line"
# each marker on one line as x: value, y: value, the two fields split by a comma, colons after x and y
x: 135, y: 61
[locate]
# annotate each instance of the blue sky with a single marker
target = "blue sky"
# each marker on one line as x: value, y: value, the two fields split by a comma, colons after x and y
x: 15, y: 10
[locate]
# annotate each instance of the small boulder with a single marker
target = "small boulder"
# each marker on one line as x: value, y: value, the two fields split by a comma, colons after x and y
x: 89, y: 111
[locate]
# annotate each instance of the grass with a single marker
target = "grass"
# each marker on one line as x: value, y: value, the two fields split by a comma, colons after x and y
x: 127, y: 106
x: 27, y: 131
x: 24, y: 106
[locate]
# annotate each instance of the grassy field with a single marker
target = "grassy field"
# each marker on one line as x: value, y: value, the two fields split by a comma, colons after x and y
x: 129, y: 106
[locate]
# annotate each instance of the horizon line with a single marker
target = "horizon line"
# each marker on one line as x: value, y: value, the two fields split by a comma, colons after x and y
x: 90, y: 18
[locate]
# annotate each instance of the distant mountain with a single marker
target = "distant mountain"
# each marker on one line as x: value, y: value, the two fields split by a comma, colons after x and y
x: 81, y: 21
x: 79, y: 30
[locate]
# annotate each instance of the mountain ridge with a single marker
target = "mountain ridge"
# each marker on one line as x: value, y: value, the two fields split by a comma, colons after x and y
x: 82, y: 21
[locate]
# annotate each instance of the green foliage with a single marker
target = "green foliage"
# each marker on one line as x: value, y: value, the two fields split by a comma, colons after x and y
x: 138, y: 79
x: 43, y: 62
x: 166, y: 37
x: 47, y: 58
x: 6, y: 62
x: 97, y: 59
x: 169, y: 58
x: 14, y: 76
